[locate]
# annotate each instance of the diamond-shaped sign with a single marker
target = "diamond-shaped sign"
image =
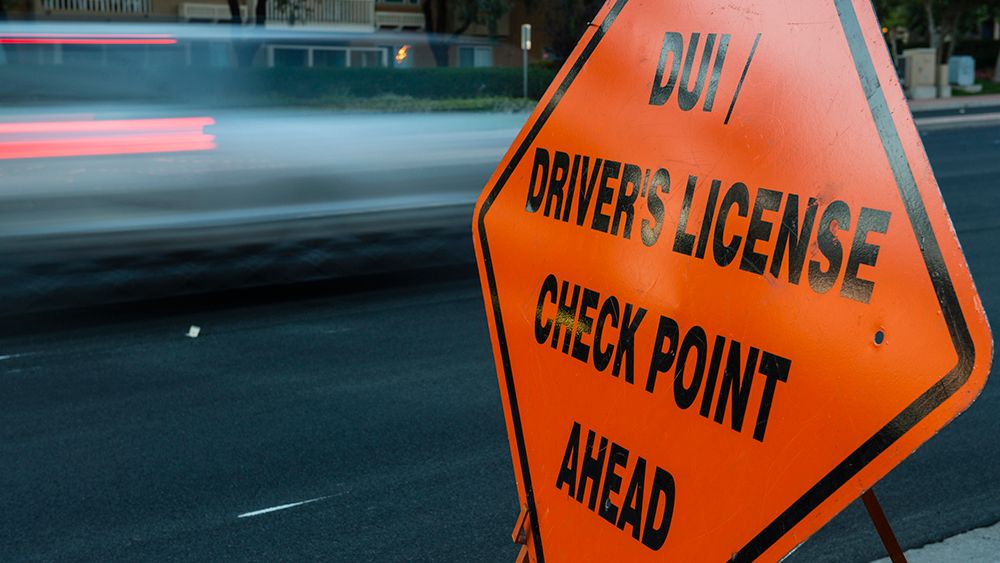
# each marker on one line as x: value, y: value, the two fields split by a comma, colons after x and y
x: 724, y: 294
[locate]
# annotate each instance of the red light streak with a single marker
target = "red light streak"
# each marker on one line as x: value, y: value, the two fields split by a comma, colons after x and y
x: 41, y: 41
x: 85, y: 39
x: 103, y: 35
x: 107, y: 137
x: 80, y: 126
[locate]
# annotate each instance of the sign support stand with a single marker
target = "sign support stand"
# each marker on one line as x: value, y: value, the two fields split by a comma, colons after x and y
x: 522, y: 529
x: 693, y: 311
x: 882, y: 526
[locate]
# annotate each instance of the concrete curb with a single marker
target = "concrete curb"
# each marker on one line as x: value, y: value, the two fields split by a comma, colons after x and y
x: 981, y: 544
x: 956, y: 102
x: 957, y: 121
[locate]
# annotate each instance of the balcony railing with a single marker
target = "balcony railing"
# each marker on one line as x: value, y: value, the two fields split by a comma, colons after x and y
x: 209, y: 12
x: 113, y: 7
x: 399, y: 20
x: 353, y: 13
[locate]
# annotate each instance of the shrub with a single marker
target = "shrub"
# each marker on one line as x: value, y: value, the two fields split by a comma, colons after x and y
x: 260, y: 86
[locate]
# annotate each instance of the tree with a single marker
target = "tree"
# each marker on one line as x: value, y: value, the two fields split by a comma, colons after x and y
x: 464, y: 13
x: 951, y: 16
x: 565, y: 22
x: 245, y: 50
x: 234, y: 12
x: 260, y: 13
x: 16, y: 6
x: 943, y: 21
x: 894, y: 16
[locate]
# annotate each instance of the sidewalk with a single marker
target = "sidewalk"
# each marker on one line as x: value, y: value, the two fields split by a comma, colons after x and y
x: 979, y: 545
x: 956, y: 102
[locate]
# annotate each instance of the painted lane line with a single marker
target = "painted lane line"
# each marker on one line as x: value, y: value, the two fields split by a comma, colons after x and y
x: 280, y: 507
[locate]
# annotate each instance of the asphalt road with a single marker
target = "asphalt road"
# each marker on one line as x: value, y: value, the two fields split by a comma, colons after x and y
x: 135, y: 442
x: 123, y: 439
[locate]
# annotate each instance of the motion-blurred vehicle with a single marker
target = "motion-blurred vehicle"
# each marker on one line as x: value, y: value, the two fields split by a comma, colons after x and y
x: 121, y: 179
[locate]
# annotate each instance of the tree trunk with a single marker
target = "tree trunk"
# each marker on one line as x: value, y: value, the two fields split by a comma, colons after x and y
x: 932, y: 29
x: 260, y: 15
x: 234, y: 12
x: 435, y: 21
x: 952, y: 29
x: 3, y: 17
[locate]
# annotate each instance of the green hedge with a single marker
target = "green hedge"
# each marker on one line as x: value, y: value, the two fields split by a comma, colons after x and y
x: 432, y: 83
x: 261, y: 86
x: 984, y: 51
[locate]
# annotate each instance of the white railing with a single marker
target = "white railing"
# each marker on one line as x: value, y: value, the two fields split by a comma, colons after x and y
x: 399, y: 20
x: 324, y: 12
x: 99, y: 6
x: 209, y: 12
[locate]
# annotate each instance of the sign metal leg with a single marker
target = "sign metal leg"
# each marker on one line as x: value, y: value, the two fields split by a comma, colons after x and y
x: 882, y: 526
x: 522, y: 529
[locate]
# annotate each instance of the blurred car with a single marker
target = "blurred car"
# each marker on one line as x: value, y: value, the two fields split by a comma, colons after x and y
x: 114, y: 188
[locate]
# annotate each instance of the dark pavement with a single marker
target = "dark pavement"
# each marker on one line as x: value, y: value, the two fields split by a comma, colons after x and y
x: 123, y: 439
x: 134, y: 442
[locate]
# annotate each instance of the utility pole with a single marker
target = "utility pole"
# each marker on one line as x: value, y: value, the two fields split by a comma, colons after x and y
x: 525, y: 47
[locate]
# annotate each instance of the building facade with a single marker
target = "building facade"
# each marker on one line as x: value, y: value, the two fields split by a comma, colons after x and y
x: 317, y: 33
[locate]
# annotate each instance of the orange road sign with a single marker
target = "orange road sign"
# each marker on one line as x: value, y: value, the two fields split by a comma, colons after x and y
x: 724, y: 293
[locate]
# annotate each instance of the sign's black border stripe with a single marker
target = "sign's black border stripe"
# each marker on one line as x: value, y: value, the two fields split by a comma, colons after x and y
x: 958, y: 329
x: 571, y: 75
x: 930, y: 249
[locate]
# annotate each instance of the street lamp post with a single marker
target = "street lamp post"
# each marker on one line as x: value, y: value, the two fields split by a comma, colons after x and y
x: 525, y: 47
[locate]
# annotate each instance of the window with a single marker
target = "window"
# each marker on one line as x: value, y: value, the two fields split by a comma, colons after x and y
x: 330, y: 58
x: 366, y: 58
x: 475, y: 57
x: 290, y: 57
x: 323, y: 56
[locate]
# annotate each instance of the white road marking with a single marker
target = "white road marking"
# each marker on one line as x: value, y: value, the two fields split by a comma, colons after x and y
x: 10, y: 356
x: 981, y: 544
x: 280, y: 507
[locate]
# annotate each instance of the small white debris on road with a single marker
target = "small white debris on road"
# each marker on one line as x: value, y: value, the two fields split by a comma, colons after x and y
x: 281, y: 507
x: 193, y: 332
